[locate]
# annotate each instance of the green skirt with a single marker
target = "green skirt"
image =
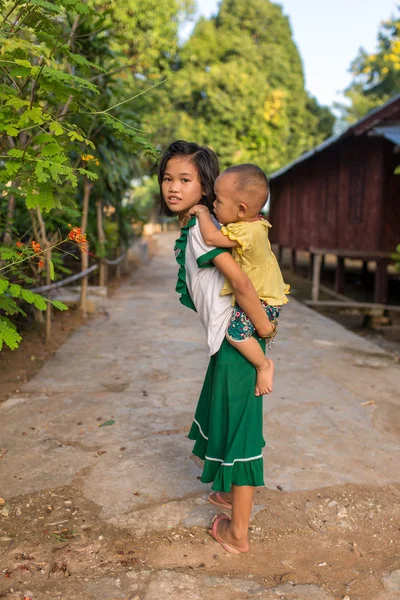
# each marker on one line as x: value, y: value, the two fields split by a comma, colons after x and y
x: 228, y: 423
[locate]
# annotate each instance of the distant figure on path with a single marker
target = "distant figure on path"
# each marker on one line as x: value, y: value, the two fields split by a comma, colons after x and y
x: 227, y: 428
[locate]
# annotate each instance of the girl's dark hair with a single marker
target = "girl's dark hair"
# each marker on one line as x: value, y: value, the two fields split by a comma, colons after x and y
x: 206, y: 162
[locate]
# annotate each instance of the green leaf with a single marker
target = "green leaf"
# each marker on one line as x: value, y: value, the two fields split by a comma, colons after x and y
x: 8, y: 334
x: 46, y: 198
x: 15, y: 290
x: 15, y: 152
x: 51, y: 266
x: 34, y: 114
x: 41, y: 176
x: 52, y: 149
x: 8, y: 253
x: 72, y: 81
x: 56, y: 128
x: 12, y: 130
x: 59, y: 305
x: 3, y: 285
x: 74, y: 135
x: 89, y: 174
x: 23, y: 63
x: 8, y: 305
x: 17, y: 102
x: 28, y: 296
x: 106, y: 423
x: 80, y: 7
x: 83, y: 62
x: 20, y: 72
x: 12, y: 167
x: 47, y: 5
x: 39, y: 302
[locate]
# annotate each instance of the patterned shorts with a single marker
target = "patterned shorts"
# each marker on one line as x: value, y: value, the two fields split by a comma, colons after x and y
x: 240, y: 327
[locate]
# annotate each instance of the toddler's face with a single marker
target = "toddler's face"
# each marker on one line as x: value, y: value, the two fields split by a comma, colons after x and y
x: 225, y: 205
x: 180, y: 186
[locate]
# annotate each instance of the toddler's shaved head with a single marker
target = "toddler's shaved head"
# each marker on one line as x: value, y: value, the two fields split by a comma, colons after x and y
x: 251, y: 185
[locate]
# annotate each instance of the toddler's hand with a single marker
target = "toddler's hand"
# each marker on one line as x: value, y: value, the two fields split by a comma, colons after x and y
x: 198, y: 208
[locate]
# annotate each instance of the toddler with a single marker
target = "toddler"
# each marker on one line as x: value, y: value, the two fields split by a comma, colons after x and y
x: 241, y: 192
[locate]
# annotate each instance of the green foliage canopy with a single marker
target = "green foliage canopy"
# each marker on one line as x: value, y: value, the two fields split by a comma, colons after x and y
x: 376, y: 77
x: 242, y: 89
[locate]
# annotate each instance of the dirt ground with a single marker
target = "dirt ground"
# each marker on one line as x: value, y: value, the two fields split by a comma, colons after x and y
x: 19, y: 366
x: 71, y: 542
x: 351, y: 533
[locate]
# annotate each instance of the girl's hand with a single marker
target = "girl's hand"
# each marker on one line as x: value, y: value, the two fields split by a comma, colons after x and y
x: 198, y: 208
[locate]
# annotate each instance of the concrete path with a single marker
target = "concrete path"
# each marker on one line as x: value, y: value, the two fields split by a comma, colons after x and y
x: 332, y: 419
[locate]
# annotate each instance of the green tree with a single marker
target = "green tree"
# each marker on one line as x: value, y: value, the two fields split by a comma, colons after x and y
x: 64, y: 87
x: 242, y: 89
x: 376, y: 77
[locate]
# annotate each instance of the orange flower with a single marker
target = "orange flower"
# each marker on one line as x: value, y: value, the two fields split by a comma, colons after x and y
x: 41, y: 263
x: 36, y: 247
x: 76, y: 235
x: 19, y: 245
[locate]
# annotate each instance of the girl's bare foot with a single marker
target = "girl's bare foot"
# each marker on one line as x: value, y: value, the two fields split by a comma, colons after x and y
x: 221, y: 499
x: 265, y: 377
x: 223, y: 532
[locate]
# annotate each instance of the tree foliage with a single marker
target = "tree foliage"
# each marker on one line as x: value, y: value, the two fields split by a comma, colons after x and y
x: 242, y: 89
x: 70, y: 72
x: 376, y: 77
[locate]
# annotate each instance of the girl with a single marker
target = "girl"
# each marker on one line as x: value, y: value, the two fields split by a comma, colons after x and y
x: 227, y: 428
x: 241, y: 192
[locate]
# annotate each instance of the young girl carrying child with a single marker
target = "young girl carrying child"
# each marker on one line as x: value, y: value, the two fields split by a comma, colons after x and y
x: 227, y: 427
x: 241, y: 192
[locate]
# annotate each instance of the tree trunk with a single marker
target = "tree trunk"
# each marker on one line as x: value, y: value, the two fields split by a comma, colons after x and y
x: 87, y: 187
x: 39, y: 228
x: 49, y: 311
x: 9, y: 219
x: 102, y: 240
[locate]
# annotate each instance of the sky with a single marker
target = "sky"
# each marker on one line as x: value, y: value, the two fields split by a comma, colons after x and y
x: 328, y: 35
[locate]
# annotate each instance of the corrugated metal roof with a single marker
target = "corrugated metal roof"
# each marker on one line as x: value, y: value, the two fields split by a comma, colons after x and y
x: 335, y: 138
x: 390, y: 132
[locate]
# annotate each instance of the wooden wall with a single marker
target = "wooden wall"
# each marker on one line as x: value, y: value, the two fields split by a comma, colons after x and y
x: 345, y: 197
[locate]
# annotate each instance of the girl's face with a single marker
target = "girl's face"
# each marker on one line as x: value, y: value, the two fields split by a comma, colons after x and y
x: 180, y: 186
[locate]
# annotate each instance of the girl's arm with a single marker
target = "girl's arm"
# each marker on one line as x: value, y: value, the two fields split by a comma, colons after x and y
x: 210, y: 234
x: 245, y: 293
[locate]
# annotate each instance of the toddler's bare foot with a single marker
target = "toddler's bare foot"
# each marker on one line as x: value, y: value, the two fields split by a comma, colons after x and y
x: 265, y: 377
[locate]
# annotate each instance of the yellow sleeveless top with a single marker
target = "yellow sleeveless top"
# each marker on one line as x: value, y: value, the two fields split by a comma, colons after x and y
x: 255, y: 257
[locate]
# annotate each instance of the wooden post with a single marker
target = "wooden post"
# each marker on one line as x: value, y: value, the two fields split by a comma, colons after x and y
x: 118, y: 269
x: 316, y: 276
x: 311, y: 266
x: 381, y: 281
x: 293, y: 261
x: 340, y: 275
